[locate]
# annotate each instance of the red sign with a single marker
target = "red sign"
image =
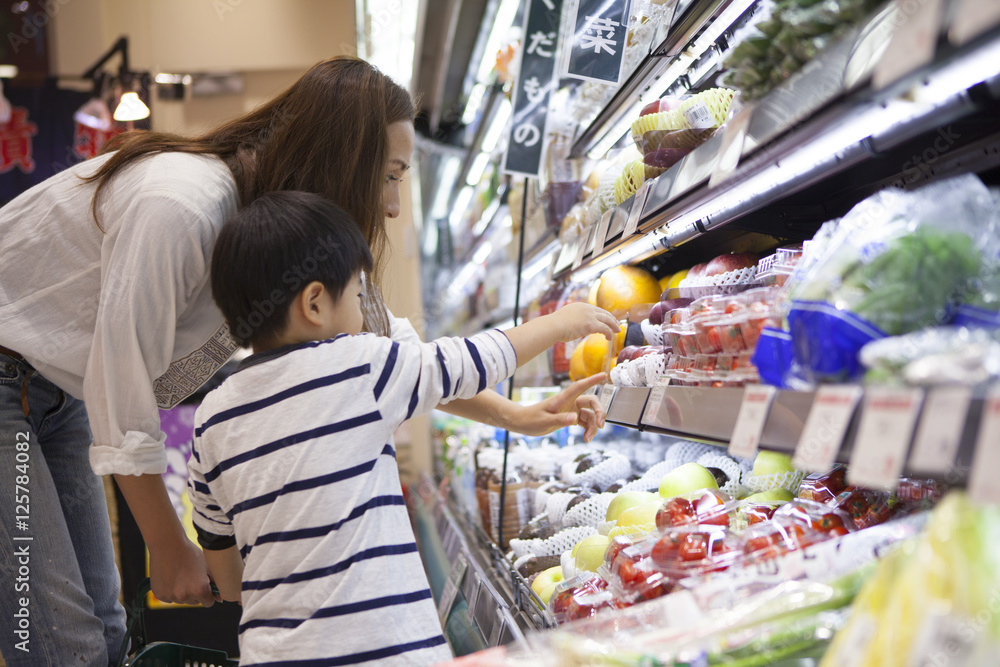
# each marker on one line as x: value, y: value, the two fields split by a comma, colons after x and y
x: 15, y: 142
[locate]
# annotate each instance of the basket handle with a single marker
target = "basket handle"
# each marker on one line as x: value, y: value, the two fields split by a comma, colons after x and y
x: 134, y: 615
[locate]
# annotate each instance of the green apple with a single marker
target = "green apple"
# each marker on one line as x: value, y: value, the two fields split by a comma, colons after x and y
x: 640, y: 515
x: 771, y: 463
x: 590, y: 552
x: 545, y: 583
x: 627, y: 500
x: 772, y: 496
x: 685, y: 479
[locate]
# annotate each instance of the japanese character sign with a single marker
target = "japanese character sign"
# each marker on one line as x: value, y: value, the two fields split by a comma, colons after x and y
x: 535, y: 82
x: 600, y: 30
x: 15, y: 142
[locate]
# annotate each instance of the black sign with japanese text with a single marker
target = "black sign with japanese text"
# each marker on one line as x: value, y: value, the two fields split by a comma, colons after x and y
x: 534, y: 85
x: 599, y: 34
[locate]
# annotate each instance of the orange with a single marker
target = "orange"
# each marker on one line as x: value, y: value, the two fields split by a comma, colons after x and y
x: 577, y: 367
x: 595, y: 352
x: 592, y: 295
x: 625, y: 286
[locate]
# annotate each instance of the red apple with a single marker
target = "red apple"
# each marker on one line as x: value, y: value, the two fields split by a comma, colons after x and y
x: 626, y: 353
x: 727, y: 263
x: 651, y: 108
x: 656, y: 313
x: 697, y: 271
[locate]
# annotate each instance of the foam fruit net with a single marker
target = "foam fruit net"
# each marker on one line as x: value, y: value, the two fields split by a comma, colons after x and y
x: 784, y: 480
x: 555, y: 506
x: 651, y: 332
x: 604, y: 474
x: 650, y: 481
x: 551, y: 546
x: 737, y: 277
x: 733, y: 487
x: 591, y: 512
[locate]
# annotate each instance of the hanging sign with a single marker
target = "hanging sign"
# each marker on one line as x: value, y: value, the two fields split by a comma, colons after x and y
x: 600, y: 28
x: 534, y: 85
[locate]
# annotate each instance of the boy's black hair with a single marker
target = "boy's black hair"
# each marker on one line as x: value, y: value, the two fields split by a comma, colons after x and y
x: 269, y: 251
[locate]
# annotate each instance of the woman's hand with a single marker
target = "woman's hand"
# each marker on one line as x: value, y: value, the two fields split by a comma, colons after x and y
x: 568, y: 407
x: 178, y: 573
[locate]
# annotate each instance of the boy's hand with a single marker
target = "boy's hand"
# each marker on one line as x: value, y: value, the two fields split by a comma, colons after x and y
x: 568, y: 407
x: 577, y: 320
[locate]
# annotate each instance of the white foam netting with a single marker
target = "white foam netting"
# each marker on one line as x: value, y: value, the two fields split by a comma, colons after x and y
x: 551, y: 546
x: 590, y: 512
x: 688, y: 452
x: 651, y: 332
x: 605, y: 473
x: 650, y: 481
x: 656, y: 365
x: 737, y: 277
x: 637, y: 372
x: 783, y: 480
x: 555, y: 506
x: 620, y: 375
x: 734, y: 486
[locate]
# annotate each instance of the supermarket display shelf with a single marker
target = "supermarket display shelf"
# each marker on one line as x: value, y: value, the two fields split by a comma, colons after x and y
x: 709, y: 415
x: 690, y: 21
x: 491, y: 603
x: 809, y: 136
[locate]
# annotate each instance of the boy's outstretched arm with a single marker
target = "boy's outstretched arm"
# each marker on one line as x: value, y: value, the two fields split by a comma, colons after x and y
x: 570, y: 322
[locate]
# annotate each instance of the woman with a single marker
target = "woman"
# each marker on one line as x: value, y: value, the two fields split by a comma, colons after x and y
x: 105, y: 300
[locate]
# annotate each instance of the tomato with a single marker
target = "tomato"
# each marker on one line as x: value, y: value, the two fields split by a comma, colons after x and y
x: 694, y: 546
x: 828, y: 523
x: 615, y: 547
x: 758, y: 513
x: 666, y: 551
x: 676, y: 512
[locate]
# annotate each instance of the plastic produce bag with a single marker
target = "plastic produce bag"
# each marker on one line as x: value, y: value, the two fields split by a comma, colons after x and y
x: 897, y: 262
x: 933, y: 602
x: 940, y: 355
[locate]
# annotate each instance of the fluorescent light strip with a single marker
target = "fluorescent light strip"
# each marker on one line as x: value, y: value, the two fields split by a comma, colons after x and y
x: 499, y: 123
x: 461, y: 206
x: 474, y: 103
x: 477, y: 169
x: 482, y: 253
x: 445, y: 186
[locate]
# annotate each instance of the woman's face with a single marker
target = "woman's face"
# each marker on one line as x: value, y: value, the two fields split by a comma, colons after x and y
x: 401, y: 139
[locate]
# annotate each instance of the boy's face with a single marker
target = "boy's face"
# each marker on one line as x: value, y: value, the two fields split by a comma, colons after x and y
x: 346, y: 315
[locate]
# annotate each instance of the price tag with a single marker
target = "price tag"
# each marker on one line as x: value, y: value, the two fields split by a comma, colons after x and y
x: 750, y: 421
x: 602, y: 231
x: 567, y: 253
x: 826, y: 426
x: 607, y: 393
x: 451, y: 587
x: 699, y: 117
x: 984, y: 485
x: 635, y: 213
x: 887, y: 423
x: 913, y: 43
x: 973, y: 18
x: 940, y: 431
x: 731, y: 150
x: 656, y: 396
x: 586, y: 240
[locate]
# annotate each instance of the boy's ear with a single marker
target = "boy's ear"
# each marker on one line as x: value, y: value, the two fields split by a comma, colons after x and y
x: 309, y: 303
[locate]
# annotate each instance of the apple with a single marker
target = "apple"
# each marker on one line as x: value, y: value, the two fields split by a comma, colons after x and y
x: 771, y: 463
x: 640, y: 515
x: 727, y: 263
x: 651, y: 108
x: 685, y: 479
x: 589, y: 552
x: 545, y: 583
x: 772, y: 496
x: 627, y: 500
x: 665, y: 157
x: 697, y: 271
x: 673, y: 304
x: 656, y: 313
x: 626, y: 353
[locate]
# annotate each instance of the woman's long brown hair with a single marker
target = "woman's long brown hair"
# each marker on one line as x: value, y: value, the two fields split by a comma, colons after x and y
x: 326, y: 134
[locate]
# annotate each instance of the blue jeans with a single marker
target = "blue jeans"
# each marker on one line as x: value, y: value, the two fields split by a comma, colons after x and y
x: 59, y: 603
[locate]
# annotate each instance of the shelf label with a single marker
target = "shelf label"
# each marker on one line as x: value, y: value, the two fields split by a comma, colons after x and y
x: 600, y: 28
x: 731, y: 150
x: 602, y: 231
x: 451, y: 587
x: 655, y: 400
x: 536, y: 80
x: 913, y: 43
x: 887, y: 422
x: 586, y: 240
x: 607, y: 393
x: 984, y: 484
x: 826, y: 426
x: 756, y: 405
x: 635, y: 213
x: 972, y: 18
x: 940, y: 431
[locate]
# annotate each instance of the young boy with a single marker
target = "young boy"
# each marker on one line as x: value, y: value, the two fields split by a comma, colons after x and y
x: 293, y: 473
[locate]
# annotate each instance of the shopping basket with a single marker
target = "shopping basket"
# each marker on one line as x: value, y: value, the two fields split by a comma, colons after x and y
x: 163, y: 654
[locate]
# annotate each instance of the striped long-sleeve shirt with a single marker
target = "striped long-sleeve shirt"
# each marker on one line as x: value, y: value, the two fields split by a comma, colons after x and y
x: 294, y: 463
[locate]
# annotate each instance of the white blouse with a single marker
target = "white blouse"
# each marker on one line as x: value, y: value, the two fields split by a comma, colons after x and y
x: 122, y: 318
